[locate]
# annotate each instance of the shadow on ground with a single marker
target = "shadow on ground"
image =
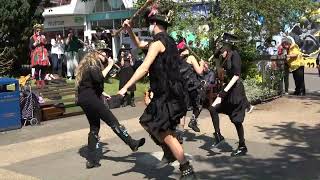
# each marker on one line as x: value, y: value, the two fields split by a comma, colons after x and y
x: 144, y: 163
x: 298, y: 159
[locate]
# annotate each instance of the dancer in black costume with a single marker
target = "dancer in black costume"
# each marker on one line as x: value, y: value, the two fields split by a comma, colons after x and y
x: 192, y: 70
x: 90, y: 76
x: 232, y: 99
x: 168, y: 104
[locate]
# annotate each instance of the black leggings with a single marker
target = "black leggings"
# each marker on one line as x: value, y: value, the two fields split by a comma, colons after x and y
x: 216, y: 124
x: 195, y: 102
x: 298, y: 76
x: 95, y: 110
x: 40, y: 72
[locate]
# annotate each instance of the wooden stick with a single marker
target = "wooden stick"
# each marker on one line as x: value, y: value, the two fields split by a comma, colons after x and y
x: 135, y: 15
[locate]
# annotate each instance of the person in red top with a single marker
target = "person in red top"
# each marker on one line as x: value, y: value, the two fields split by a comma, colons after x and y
x: 39, y: 54
x: 283, y: 51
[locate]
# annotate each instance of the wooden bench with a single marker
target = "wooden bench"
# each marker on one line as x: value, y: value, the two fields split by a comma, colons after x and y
x: 59, y: 97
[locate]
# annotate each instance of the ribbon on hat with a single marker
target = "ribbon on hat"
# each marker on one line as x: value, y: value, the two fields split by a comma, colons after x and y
x: 181, y: 45
x: 154, y: 10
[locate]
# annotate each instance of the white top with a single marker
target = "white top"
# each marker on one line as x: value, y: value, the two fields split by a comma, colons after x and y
x: 57, y: 47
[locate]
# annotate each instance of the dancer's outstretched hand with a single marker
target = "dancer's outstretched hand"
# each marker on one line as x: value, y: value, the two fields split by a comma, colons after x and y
x: 122, y: 91
x: 127, y: 24
x: 106, y: 95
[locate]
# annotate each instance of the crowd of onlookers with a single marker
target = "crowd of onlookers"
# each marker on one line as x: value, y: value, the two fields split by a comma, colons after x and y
x: 59, y: 55
x: 56, y: 56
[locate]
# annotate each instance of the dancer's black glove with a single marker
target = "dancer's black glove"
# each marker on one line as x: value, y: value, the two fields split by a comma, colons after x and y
x: 222, y: 94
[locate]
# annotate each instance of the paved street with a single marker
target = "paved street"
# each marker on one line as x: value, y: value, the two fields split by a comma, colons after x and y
x: 312, y: 81
x: 282, y: 137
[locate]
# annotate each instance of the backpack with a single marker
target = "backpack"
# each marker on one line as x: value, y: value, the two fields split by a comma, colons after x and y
x: 190, y: 78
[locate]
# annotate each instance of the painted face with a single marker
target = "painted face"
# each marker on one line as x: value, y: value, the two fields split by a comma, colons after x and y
x: 102, y: 57
x: 38, y: 32
x: 185, y: 52
x: 224, y: 54
x: 151, y: 28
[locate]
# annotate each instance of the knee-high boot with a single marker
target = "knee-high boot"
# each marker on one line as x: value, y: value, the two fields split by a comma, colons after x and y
x: 132, y: 104
x: 92, y: 156
x: 122, y: 133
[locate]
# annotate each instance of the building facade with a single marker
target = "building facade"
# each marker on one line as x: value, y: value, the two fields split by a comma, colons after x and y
x: 85, y: 17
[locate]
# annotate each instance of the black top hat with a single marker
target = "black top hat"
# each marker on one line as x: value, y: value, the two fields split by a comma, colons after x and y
x: 125, y: 47
x: 229, y: 38
x: 153, y: 15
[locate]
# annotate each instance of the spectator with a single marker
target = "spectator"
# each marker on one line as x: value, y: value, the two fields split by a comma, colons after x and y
x: 57, y: 54
x: 271, y: 50
x: 39, y: 55
x: 71, y: 51
x: 318, y: 63
x: 126, y: 72
x: 283, y: 52
x: 296, y: 65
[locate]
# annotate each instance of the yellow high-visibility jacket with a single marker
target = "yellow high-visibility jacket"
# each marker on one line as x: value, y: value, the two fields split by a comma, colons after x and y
x: 295, y: 63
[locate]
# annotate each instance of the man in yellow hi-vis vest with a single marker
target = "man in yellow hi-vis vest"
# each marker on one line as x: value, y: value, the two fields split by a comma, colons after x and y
x: 296, y: 65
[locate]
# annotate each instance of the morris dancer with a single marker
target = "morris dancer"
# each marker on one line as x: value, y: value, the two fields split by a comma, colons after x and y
x: 90, y: 76
x: 192, y: 72
x: 168, y: 104
x: 231, y: 100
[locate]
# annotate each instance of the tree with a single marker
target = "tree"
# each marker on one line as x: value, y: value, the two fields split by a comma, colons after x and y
x: 248, y: 19
x: 239, y: 16
x: 17, y: 18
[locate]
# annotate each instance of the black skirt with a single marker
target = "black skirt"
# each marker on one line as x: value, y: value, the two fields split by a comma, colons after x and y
x: 162, y: 115
x: 235, y: 103
x: 124, y: 76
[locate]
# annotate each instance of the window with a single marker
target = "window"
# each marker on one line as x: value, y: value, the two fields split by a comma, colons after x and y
x: 99, y: 6
x: 117, y: 23
x: 106, y: 24
x: 106, y: 5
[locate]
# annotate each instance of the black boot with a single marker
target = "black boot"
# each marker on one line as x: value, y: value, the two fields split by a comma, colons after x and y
x: 132, y: 104
x: 218, y: 139
x: 92, y: 156
x: 193, y: 124
x: 187, y: 172
x: 126, y: 100
x: 126, y: 138
x: 240, y: 151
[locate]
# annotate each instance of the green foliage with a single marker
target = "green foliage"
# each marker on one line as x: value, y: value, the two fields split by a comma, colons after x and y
x: 17, y: 18
x: 255, y: 91
x: 114, y: 88
x: 241, y: 18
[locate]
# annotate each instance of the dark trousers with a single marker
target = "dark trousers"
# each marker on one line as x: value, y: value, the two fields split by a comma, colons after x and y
x: 56, y: 64
x: 216, y: 124
x: 95, y: 110
x: 195, y: 102
x: 40, y: 72
x: 285, y: 79
x: 298, y: 76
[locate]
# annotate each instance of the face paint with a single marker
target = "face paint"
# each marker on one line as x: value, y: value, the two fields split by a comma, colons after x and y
x: 151, y: 28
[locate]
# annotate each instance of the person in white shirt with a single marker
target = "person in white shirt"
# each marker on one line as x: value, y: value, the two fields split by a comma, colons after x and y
x: 57, y: 54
